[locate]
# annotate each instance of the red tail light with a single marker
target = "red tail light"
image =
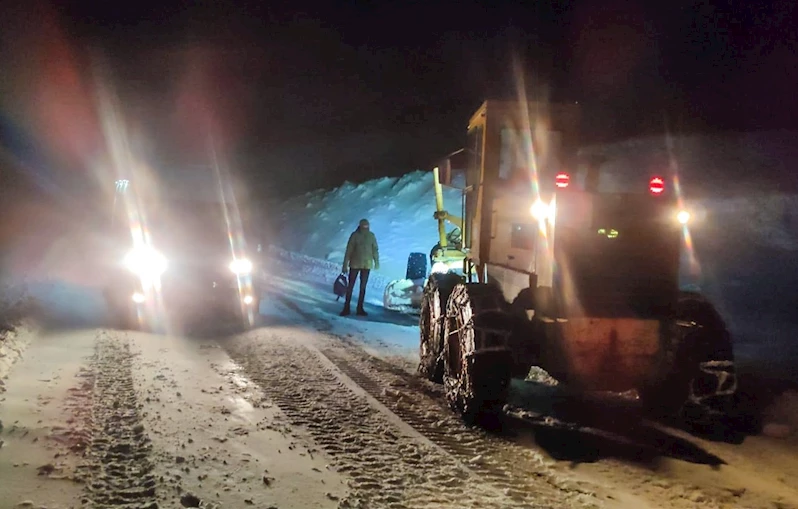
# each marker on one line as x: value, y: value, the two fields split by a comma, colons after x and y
x: 562, y: 180
x: 656, y: 186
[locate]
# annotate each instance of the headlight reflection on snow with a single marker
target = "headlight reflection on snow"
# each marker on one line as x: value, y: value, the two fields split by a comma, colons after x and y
x: 239, y: 405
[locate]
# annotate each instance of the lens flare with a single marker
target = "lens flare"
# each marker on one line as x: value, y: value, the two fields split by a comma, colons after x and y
x: 241, y: 266
x: 145, y: 261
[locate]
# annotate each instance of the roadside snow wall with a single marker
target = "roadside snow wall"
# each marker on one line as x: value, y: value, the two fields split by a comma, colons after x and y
x: 742, y: 189
x: 399, y: 210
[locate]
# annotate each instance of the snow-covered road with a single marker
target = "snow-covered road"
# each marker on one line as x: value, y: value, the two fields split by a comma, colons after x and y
x: 314, y: 410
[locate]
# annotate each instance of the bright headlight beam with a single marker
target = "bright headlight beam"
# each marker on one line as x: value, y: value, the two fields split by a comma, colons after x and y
x: 241, y: 266
x: 539, y: 210
x: 145, y: 262
x: 683, y: 217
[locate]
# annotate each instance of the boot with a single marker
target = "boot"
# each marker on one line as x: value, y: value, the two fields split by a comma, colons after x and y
x: 346, y: 311
x: 361, y: 312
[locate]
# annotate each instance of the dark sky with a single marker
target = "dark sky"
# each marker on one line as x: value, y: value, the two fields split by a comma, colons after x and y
x: 307, y: 96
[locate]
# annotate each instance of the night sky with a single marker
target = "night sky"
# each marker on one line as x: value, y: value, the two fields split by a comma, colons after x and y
x: 307, y: 96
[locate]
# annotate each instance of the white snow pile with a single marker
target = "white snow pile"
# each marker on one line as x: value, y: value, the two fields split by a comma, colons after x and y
x: 399, y: 210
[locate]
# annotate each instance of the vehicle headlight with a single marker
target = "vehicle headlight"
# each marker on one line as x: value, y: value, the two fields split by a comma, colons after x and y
x: 540, y: 210
x: 683, y: 217
x: 145, y: 262
x: 241, y: 266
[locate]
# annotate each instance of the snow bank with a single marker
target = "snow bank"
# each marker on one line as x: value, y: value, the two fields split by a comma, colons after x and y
x: 309, y: 269
x: 318, y: 224
x: 741, y: 188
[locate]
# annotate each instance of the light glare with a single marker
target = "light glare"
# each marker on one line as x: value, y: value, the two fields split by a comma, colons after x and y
x: 241, y: 266
x: 145, y: 262
x: 539, y: 210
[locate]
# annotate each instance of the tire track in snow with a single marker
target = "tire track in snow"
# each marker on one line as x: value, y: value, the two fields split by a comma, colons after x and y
x: 388, y: 469
x: 517, y: 471
x: 118, y: 469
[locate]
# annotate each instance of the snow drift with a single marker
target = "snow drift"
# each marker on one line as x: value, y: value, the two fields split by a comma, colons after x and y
x: 741, y: 188
x: 319, y: 223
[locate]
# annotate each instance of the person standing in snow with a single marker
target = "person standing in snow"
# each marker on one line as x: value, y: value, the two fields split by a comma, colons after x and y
x: 362, y: 254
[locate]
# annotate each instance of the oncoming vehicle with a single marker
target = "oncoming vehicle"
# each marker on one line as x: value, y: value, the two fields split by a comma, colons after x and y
x: 179, y: 261
x: 551, y: 272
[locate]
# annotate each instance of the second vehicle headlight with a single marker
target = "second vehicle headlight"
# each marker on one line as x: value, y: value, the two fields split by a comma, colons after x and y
x: 145, y: 262
x: 241, y: 266
x: 540, y: 210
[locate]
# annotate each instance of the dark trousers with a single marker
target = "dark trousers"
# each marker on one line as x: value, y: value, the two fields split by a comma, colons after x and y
x: 364, y: 279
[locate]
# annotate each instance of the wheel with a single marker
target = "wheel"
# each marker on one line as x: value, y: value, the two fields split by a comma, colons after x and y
x: 700, y: 379
x: 476, y: 352
x: 433, y: 307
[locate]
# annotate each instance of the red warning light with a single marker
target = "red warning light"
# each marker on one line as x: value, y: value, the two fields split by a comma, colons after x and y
x: 562, y: 180
x: 656, y: 186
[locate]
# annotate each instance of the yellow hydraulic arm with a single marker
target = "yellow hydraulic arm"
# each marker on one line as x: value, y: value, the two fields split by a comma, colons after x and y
x: 440, y: 214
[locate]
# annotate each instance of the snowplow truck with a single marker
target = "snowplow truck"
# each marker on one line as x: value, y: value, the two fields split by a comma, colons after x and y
x: 548, y: 271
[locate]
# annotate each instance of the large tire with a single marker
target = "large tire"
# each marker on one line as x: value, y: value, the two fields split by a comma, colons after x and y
x: 477, y: 355
x: 431, y: 323
x: 700, y: 379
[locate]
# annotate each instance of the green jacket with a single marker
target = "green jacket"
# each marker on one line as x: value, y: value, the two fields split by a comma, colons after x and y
x: 362, y: 251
